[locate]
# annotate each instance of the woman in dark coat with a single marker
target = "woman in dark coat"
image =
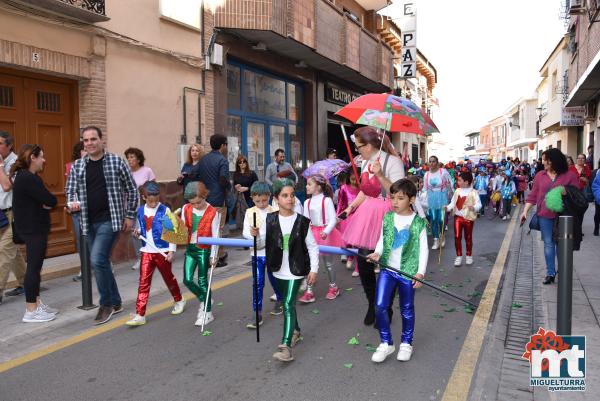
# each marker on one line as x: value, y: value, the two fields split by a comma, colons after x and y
x: 32, y: 203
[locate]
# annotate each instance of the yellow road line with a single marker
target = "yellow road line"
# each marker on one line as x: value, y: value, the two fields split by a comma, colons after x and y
x: 107, y: 327
x: 462, y: 374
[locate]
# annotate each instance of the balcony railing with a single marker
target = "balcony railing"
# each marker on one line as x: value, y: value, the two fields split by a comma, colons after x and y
x: 90, y: 11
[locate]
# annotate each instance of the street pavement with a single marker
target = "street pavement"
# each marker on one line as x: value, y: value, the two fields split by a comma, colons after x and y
x: 169, y: 358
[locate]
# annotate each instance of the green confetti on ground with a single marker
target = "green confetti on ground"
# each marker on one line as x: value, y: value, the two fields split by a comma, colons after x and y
x: 370, y: 348
x: 516, y: 305
x: 437, y: 316
x: 220, y: 304
x: 353, y: 341
x: 468, y: 280
x: 442, y: 269
x: 450, y: 310
x: 348, y: 365
x: 349, y: 289
x: 460, y: 285
x: 469, y: 309
x: 445, y: 286
x: 206, y: 333
x: 315, y: 311
x: 474, y: 294
x: 443, y: 304
x: 436, y: 294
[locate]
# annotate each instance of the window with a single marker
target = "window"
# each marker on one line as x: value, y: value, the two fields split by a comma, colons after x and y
x: 558, y: 145
x: 185, y: 12
x: 47, y: 101
x: 294, y: 94
x: 553, y: 86
x: 7, y: 98
x: 233, y: 87
x: 234, y: 140
x: 264, y: 95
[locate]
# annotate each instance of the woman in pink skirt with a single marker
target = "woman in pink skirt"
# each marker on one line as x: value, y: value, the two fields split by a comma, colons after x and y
x: 348, y: 192
x: 321, y: 212
x: 378, y: 171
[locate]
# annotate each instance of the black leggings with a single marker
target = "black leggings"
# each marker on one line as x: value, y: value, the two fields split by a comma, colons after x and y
x: 366, y: 271
x: 35, y: 245
x: 596, y: 217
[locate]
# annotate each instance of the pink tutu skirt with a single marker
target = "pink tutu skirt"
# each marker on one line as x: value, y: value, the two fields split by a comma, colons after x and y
x: 333, y: 239
x: 363, y: 227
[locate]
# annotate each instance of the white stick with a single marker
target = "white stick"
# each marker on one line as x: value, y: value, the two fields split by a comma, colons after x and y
x: 154, y: 248
x: 215, y: 251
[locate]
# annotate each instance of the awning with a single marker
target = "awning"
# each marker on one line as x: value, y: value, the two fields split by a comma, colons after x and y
x: 298, y: 51
x: 588, y: 85
x: 522, y: 142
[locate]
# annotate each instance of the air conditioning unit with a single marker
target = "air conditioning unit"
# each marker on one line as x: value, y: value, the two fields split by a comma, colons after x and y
x: 577, y: 7
x: 590, y: 111
x: 216, y: 56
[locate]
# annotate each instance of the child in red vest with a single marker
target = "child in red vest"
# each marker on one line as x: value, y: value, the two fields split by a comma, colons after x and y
x: 202, y: 220
x: 149, y: 217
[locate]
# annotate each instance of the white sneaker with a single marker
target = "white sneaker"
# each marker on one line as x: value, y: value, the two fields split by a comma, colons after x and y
x: 436, y: 244
x: 38, y: 316
x: 458, y: 261
x: 443, y: 243
x: 200, y: 309
x: 48, y: 309
x: 405, y: 352
x: 349, y: 264
x: 273, y: 298
x: 137, y: 320
x: 382, y: 352
x: 304, y: 285
x: 136, y: 265
x: 343, y: 258
x: 469, y: 260
x: 503, y: 217
x: 178, y: 307
x: 209, y: 318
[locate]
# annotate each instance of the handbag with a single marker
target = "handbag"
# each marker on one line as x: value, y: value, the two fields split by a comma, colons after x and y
x: 587, y: 191
x: 534, y: 223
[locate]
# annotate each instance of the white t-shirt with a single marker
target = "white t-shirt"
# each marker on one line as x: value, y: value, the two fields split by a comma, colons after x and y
x: 261, y: 220
x: 150, y: 212
x: 463, y: 192
x: 284, y: 273
x: 394, y: 170
x: 214, y: 227
x: 6, y: 197
x: 315, y: 214
x: 395, y: 259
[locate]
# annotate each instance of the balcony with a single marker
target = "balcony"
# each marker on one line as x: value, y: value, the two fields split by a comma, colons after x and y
x: 89, y: 11
x: 314, y: 31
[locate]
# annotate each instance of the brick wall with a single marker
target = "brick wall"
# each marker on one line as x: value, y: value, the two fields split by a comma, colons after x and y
x: 330, y: 31
x: 352, y: 44
x: 253, y: 14
x: 368, y: 56
x: 208, y: 100
x: 92, y: 96
x: 588, y: 46
x: 303, y: 26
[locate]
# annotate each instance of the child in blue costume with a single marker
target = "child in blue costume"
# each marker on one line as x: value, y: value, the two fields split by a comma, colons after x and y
x: 402, y: 246
x: 260, y: 193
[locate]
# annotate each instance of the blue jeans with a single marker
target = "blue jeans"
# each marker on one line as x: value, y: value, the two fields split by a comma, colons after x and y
x: 100, y: 240
x: 549, y: 245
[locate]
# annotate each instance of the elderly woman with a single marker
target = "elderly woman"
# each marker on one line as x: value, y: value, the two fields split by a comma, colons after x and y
x: 378, y: 171
x: 556, y: 173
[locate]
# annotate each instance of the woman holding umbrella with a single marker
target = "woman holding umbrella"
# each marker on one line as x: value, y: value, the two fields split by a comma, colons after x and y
x: 379, y: 169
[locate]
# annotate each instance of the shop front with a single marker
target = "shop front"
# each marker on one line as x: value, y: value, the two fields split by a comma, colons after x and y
x: 264, y: 113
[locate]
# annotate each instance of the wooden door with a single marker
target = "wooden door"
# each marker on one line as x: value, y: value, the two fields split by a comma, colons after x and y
x: 44, y: 112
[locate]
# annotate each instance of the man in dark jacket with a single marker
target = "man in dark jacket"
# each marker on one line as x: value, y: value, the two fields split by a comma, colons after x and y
x: 214, y: 173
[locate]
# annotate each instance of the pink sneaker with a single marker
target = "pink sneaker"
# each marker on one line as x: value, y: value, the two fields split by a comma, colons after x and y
x: 333, y: 292
x: 307, y: 297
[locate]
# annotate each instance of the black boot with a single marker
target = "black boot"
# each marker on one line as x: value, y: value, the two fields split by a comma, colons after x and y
x: 548, y: 280
x: 370, y: 316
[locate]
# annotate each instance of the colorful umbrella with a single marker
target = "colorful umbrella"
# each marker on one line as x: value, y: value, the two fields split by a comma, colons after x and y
x: 327, y: 168
x: 388, y: 112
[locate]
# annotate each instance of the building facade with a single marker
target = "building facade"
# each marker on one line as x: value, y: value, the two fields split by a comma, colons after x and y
x: 134, y: 69
x: 522, y: 136
x: 584, y: 71
x: 499, y: 128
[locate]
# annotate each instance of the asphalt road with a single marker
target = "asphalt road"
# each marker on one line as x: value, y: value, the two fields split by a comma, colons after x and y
x: 169, y: 359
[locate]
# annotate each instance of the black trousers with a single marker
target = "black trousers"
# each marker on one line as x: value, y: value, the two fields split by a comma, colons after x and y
x: 596, y: 217
x: 366, y: 272
x: 35, y: 245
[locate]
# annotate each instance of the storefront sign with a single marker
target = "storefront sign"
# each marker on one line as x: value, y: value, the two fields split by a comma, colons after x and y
x: 572, y: 116
x: 337, y: 95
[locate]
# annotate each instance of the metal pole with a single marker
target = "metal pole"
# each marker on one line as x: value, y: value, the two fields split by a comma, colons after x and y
x: 86, y: 275
x: 565, y: 275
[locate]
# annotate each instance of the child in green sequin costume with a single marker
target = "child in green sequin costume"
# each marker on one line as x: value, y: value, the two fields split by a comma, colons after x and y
x: 202, y: 220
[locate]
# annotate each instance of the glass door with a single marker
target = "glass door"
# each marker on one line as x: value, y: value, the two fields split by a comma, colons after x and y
x: 276, y: 140
x: 255, y: 137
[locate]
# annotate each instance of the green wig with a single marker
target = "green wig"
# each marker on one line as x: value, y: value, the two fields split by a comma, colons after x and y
x: 280, y: 184
x: 260, y: 188
x: 554, y: 199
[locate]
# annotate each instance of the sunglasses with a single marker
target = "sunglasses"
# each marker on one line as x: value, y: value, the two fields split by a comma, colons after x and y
x: 242, y: 162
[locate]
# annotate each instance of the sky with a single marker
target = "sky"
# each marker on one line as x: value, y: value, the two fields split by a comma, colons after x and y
x: 487, y: 54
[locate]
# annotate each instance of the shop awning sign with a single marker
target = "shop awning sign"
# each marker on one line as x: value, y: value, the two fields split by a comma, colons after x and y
x: 572, y: 116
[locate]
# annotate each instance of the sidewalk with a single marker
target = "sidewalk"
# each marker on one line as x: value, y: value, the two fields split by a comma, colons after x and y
x: 524, y: 305
x: 18, y: 338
